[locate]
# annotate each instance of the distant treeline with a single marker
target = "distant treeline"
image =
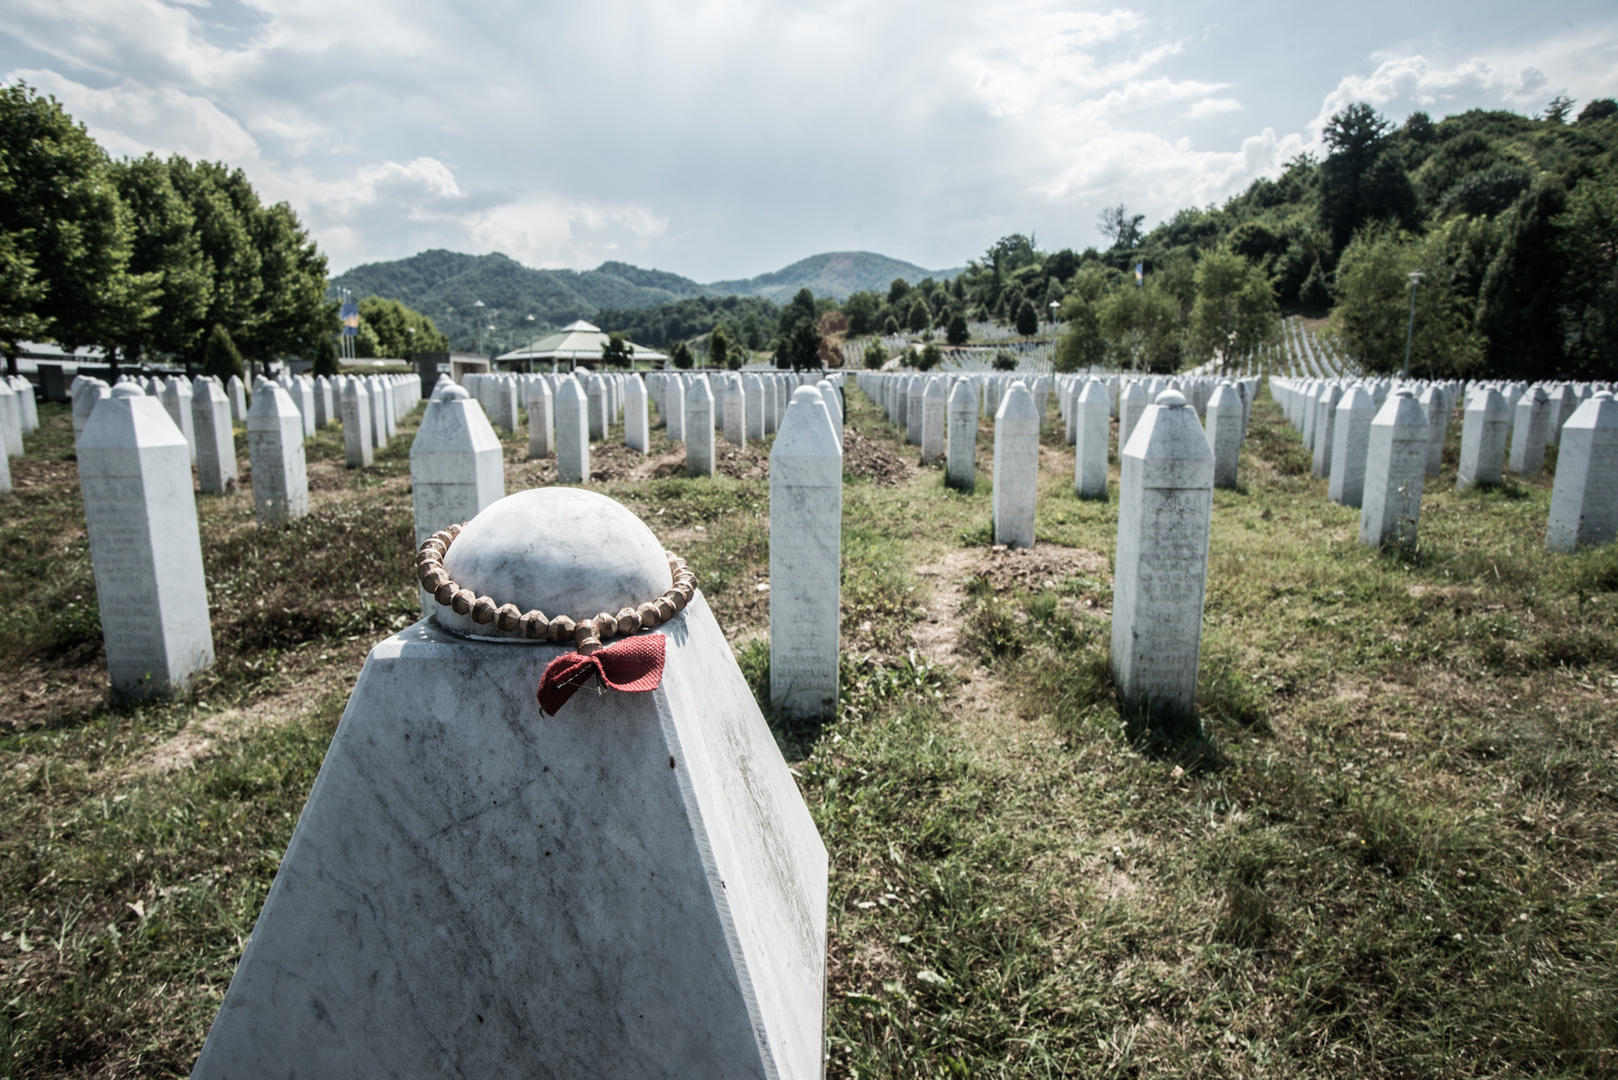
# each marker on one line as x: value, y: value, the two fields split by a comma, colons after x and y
x: 749, y: 320
x: 144, y: 257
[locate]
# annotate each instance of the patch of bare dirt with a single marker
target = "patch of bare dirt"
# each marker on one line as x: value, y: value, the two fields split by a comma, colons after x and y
x: 1043, y: 566
x: 869, y: 461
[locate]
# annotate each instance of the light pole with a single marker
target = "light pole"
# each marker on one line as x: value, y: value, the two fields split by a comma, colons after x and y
x: 1056, y: 306
x: 528, y: 365
x: 477, y: 307
x: 1410, y: 332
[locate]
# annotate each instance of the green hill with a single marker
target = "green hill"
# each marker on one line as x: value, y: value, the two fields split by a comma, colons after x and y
x: 445, y: 286
x: 835, y: 274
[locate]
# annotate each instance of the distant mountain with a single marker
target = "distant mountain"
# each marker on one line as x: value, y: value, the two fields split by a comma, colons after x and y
x: 835, y: 274
x: 446, y: 285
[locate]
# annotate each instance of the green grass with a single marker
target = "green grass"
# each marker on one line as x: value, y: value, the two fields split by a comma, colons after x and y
x: 1392, y: 851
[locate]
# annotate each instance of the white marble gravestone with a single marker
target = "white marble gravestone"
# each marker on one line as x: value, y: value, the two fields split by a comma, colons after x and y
x: 177, y: 403
x: 237, y: 393
x: 379, y: 413
x: 1132, y: 402
x: 1529, y: 432
x: 1395, y: 469
x: 573, y: 419
x: 595, y: 400
x: 829, y: 394
x: 915, y: 408
x: 145, y: 550
x: 1091, y: 426
x: 1224, y: 427
x: 11, y: 421
x: 303, y: 396
x: 632, y: 888
x: 1584, y: 500
x: 733, y: 407
x: 1165, y: 508
x: 753, y: 401
x: 456, y: 467
x: 1351, y: 439
x: 1485, y: 426
x: 87, y: 393
x: 541, y: 420
x: 934, y: 403
x: 322, y: 391
x: 1325, y: 426
x: 806, y: 515
x: 700, y: 457
x: 26, y: 403
x: 357, y: 444
x: 505, y: 405
x: 275, y: 454
x: 960, y: 464
x: 1435, y: 400
x: 673, y: 409
x: 216, y: 438
x: 1016, y: 467
x: 637, y: 421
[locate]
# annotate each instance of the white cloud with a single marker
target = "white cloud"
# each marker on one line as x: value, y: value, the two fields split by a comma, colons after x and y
x: 130, y: 119
x: 1213, y: 107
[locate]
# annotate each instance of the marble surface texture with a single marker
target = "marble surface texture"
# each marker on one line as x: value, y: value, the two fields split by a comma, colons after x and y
x: 1529, y: 432
x: 275, y: 453
x: 145, y: 549
x: 573, y: 410
x: 1395, y: 470
x: 1016, y: 468
x: 1092, y: 431
x: 806, y: 515
x: 632, y: 888
x: 1485, y: 426
x: 1584, y: 500
x: 700, y: 459
x: 547, y: 548
x: 1351, y: 438
x: 1160, y: 577
x: 216, y: 438
x: 356, y: 411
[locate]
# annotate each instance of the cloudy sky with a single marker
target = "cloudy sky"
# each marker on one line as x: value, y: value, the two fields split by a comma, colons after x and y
x: 724, y: 138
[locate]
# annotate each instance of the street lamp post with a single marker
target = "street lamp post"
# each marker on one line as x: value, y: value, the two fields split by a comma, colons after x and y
x: 477, y: 306
x: 1056, y: 306
x: 1410, y: 332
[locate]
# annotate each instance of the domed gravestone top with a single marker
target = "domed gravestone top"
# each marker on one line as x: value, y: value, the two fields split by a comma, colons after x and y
x: 559, y: 551
x: 632, y: 887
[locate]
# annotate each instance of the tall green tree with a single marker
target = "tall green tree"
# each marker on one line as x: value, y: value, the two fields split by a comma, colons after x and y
x: 1519, y: 311
x: 1373, y: 307
x: 400, y: 331
x: 1142, y: 329
x: 1590, y: 228
x: 1027, y: 318
x: 222, y: 203
x: 681, y: 356
x: 1363, y: 177
x: 719, y: 347
x: 220, y: 357
x: 955, y: 331
x: 1235, y: 310
x: 918, y: 318
x: 325, y: 356
x: 64, y: 265
x: 165, y: 245
x: 1081, y: 346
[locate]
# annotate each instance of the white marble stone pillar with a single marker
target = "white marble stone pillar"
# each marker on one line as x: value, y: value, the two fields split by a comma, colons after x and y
x: 674, y: 409
x: 1395, y: 469
x: 379, y: 413
x: 806, y: 514
x: 1435, y: 401
x: 456, y: 468
x: 145, y: 550
x: 700, y: 459
x: 1325, y: 425
x: 541, y: 420
x: 734, y: 410
x: 11, y: 421
x: 1584, y: 501
x: 28, y: 404
x: 1485, y: 426
x: 960, y: 467
x: 934, y: 404
x: 357, y: 442
x: 1132, y: 402
x: 275, y: 453
x: 237, y: 393
x: 1224, y: 427
x: 595, y: 394
x: 1529, y: 432
x: 86, y: 394
x: 1092, y: 433
x: 1351, y: 439
x: 574, y: 412
x: 637, y: 424
x: 177, y: 403
x: 1016, y: 467
x: 753, y: 400
x: 632, y: 888
x: 1165, y: 508
x: 834, y: 409
x: 505, y: 406
x: 915, y: 408
x: 216, y: 438
x: 303, y: 395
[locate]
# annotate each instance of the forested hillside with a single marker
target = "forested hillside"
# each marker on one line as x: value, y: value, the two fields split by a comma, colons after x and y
x: 835, y: 274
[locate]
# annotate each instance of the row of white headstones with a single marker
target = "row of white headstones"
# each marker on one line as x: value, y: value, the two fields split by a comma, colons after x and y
x: 1376, y: 441
x: 136, y: 444
x: 135, y: 461
x: 1178, y: 439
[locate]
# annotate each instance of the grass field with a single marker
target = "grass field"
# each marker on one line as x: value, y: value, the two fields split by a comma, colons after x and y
x: 1393, y: 854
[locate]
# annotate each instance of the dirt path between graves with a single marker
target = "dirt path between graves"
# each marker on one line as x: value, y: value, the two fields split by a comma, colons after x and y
x: 981, y: 703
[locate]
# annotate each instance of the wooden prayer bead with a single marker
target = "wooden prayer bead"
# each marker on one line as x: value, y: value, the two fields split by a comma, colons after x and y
x: 562, y: 628
x: 462, y: 601
x: 483, y: 610
x: 628, y: 621
x: 507, y: 617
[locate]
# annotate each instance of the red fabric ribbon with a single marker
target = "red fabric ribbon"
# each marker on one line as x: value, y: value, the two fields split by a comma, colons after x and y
x: 634, y: 664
